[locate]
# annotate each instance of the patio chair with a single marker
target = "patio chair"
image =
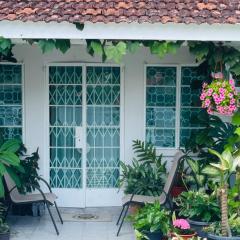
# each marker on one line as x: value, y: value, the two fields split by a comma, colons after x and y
x: 164, y: 198
x: 49, y: 199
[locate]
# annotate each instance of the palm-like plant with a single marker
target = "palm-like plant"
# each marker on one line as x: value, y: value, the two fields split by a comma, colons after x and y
x: 220, y: 172
x: 9, y: 159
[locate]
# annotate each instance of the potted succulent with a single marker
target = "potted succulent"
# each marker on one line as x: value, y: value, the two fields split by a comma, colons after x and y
x: 199, y: 208
x: 151, y: 222
x: 182, y: 229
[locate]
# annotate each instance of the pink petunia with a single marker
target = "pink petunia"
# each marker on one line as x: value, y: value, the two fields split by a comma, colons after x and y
x: 181, y: 224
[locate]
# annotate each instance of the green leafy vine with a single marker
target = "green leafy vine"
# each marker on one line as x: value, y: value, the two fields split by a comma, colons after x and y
x: 208, y: 54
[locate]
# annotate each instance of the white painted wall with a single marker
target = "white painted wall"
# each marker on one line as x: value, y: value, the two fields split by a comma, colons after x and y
x: 35, y: 97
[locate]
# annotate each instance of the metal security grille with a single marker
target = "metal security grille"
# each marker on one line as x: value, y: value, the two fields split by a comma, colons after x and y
x: 84, y: 104
x: 103, y: 126
x: 65, y: 113
x: 11, y: 101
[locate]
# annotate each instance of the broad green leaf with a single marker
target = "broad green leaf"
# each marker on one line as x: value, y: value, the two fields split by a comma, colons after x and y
x: 97, y: 47
x: 237, y: 131
x: 79, y: 26
x: 219, y: 166
x: 212, y: 151
x: 236, y: 119
x: 2, y: 169
x: 63, y: 45
x: 193, y: 165
x: 2, y: 192
x: 212, y: 171
x: 116, y: 52
x: 47, y: 45
x: 133, y: 46
x: 11, y: 145
x: 5, y: 43
x: 10, y: 158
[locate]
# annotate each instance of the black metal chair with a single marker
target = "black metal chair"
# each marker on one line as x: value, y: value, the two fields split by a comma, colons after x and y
x: 164, y: 198
x: 17, y: 198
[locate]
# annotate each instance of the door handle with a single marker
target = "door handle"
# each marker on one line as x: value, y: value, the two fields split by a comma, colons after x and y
x: 79, y: 137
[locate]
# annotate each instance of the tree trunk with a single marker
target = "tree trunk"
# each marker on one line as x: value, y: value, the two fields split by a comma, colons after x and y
x: 224, y: 210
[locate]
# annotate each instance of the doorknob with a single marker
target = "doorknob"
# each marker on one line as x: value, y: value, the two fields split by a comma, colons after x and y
x: 79, y: 137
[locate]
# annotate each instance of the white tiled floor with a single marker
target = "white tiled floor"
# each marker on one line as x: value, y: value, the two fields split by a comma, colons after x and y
x: 36, y: 228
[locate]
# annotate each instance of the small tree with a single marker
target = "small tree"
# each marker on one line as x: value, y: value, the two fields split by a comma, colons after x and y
x: 220, y: 173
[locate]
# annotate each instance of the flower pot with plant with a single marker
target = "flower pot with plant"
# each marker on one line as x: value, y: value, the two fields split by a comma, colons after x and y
x: 220, y: 96
x: 182, y: 229
x: 220, y: 173
x: 151, y: 222
x: 199, y: 208
x: 146, y: 175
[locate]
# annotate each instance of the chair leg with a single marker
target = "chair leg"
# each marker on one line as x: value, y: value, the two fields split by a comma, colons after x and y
x: 53, y: 221
x: 60, y: 217
x: 124, y: 215
x: 123, y: 207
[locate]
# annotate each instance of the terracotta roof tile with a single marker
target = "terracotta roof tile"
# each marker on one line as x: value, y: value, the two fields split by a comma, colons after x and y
x: 164, y: 11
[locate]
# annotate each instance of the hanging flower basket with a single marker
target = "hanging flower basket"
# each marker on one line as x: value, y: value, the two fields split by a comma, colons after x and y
x: 220, y: 96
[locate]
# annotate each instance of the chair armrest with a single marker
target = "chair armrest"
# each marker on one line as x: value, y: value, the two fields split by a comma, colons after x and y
x: 46, y: 183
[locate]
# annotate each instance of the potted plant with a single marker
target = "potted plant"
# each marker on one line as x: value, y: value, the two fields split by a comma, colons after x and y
x: 145, y: 175
x: 151, y: 222
x: 220, y: 96
x: 182, y: 229
x: 214, y: 229
x: 199, y: 208
x: 220, y: 173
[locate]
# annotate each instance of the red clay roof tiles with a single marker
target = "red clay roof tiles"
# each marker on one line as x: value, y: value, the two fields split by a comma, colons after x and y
x: 163, y: 11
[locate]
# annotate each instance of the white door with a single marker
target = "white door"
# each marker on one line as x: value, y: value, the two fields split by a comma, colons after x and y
x: 84, y: 130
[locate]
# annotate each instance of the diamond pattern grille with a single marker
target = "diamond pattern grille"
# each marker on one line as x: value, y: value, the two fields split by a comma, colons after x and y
x: 103, y: 126
x: 65, y: 111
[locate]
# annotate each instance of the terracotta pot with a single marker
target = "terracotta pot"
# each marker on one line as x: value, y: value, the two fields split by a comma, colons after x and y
x: 177, y: 190
x: 133, y: 208
x: 184, y: 237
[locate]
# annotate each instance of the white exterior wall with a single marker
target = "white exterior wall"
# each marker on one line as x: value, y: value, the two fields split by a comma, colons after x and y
x: 36, y: 97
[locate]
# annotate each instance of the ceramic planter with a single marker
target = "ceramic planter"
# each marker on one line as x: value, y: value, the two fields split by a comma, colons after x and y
x: 216, y: 237
x: 184, y: 237
x: 5, y: 236
x: 153, y: 235
x: 198, y: 227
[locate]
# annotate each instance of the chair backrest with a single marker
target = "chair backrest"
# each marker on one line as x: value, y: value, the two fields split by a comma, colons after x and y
x: 14, y: 194
x: 173, y: 171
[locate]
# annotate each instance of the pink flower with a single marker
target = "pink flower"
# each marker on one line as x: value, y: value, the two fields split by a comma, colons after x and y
x: 209, y: 92
x: 209, y: 110
x: 230, y: 95
x: 203, y: 96
x: 222, y: 90
x: 204, y: 85
x: 231, y: 81
x: 181, y: 224
x: 232, y: 101
x: 207, y: 102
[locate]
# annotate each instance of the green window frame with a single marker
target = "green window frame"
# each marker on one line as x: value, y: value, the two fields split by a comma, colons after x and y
x: 11, y: 101
x: 171, y: 102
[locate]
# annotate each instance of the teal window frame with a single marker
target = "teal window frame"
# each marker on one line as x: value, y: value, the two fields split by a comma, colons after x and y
x: 180, y: 125
x: 10, y: 126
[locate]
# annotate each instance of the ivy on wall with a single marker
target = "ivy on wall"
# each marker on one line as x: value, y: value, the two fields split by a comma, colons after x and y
x: 210, y: 55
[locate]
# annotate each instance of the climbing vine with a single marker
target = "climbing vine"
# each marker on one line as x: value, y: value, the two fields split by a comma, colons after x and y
x: 208, y: 54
